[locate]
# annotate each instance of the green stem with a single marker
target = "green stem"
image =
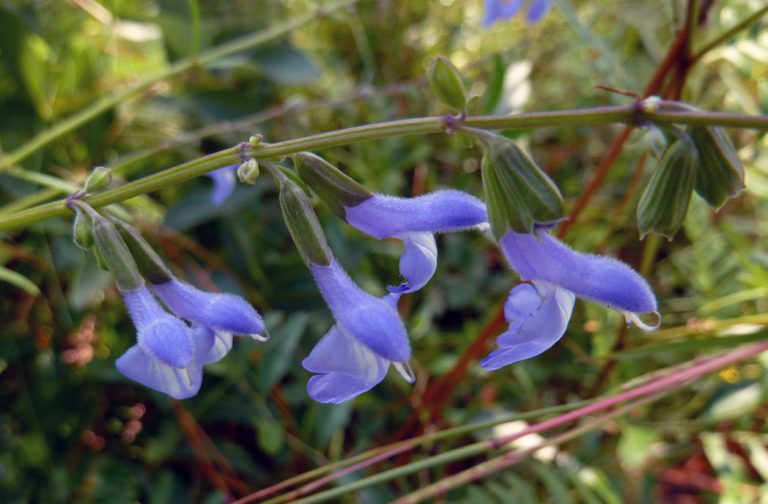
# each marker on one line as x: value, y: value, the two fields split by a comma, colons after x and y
x: 165, y: 178
x: 100, y: 106
x: 746, y: 23
x: 53, y: 183
x: 194, y: 18
x: 628, y: 114
x: 136, y: 160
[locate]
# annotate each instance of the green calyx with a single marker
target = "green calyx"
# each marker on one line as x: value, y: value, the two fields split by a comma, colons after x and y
x: 335, y: 188
x: 721, y: 174
x: 113, y: 252
x: 82, y: 230
x: 149, y: 263
x: 664, y: 202
x: 303, y: 225
x: 446, y: 83
x: 518, y: 193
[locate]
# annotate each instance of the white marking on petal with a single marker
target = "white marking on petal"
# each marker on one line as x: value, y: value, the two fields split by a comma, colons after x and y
x: 405, y: 370
x: 635, y: 318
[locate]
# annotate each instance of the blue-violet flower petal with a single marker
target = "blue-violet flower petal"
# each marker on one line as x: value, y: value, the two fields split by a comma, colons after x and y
x: 219, y: 311
x: 538, y: 315
x: 159, y: 334
x: 224, y: 183
x: 372, y: 321
x: 601, y: 279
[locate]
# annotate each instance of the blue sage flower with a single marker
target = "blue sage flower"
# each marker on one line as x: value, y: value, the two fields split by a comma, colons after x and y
x: 369, y: 335
x: 538, y: 313
x: 223, y: 314
x: 224, y: 183
x: 169, y: 355
x: 502, y: 10
x: 414, y: 221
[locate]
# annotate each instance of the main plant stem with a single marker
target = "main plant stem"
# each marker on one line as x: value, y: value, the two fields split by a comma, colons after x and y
x: 627, y: 114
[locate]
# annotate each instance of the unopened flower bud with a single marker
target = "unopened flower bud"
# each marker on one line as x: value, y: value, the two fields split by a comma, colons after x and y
x: 99, y: 178
x: 721, y: 174
x: 100, y: 260
x: 82, y: 231
x: 335, y: 188
x: 518, y: 193
x: 115, y: 254
x: 446, y: 83
x: 303, y: 225
x: 149, y: 263
x: 664, y: 202
x: 248, y: 172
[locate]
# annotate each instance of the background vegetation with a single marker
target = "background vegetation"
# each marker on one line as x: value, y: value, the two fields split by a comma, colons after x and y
x: 72, y: 429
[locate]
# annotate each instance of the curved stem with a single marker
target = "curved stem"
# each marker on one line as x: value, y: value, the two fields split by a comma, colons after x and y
x: 627, y: 114
x: 721, y: 39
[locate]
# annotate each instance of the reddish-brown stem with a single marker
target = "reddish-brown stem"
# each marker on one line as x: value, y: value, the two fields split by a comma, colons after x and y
x: 670, y: 62
x: 439, y: 391
x: 205, y: 465
x: 641, y: 392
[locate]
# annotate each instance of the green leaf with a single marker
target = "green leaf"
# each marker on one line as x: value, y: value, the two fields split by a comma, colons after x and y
x: 278, y: 354
x: 553, y: 481
x: 287, y: 65
x: 735, y: 402
x: 634, y: 445
x: 19, y: 280
x: 270, y: 435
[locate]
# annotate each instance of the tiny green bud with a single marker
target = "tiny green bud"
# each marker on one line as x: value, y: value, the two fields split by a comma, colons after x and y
x: 82, y: 230
x: 248, y: 172
x: 335, y: 188
x: 99, y: 178
x: 303, y: 225
x: 446, y: 83
x: 255, y: 140
x: 518, y: 193
x: 721, y: 174
x: 149, y: 263
x: 115, y: 254
x: 664, y: 202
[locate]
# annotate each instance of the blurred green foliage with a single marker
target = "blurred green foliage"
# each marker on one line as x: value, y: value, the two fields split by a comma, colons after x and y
x: 73, y: 430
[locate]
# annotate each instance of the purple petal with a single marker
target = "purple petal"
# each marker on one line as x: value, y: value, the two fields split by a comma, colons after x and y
x: 537, y: 10
x: 418, y: 263
x: 159, y: 334
x: 437, y: 212
x: 538, y: 316
x: 347, y: 368
x: 221, y: 345
x: 142, y: 367
x: 219, y: 311
x: 224, y: 182
x: 593, y: 277
x: 498, y: 10
x: 373, y: 321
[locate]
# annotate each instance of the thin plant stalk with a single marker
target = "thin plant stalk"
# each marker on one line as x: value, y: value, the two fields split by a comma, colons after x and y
x: 423, y: 125
x: 371, y: 457
x: 645, y: 391
x: 514, y: 457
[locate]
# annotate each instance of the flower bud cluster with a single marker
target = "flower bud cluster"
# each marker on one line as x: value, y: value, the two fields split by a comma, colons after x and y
x: 177, y: 338
x: 701, y: 160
